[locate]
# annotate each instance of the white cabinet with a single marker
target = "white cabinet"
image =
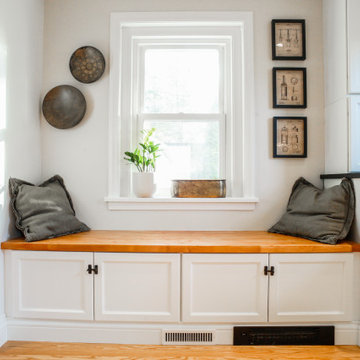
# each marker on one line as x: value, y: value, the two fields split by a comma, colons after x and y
x: 233, y: 288
x: 49, y: 285
x: 210, y: 288
x: 224, y: 288
x: 311, y: 287
x: 137, y: 287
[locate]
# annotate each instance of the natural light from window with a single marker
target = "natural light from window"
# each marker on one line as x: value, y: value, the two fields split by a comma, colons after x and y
x: 190, y: 150
x: 181, y: 81
x: 182, y: 86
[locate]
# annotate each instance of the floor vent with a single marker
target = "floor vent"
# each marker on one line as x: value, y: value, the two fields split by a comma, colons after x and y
x: 188, y: 337
x: 284, y: 335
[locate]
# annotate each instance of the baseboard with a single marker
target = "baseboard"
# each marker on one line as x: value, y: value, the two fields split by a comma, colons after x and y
x: 151, y: 334
x: 91, y: 332
x: 3, y: 330
x: 346, y: 334
x: 358, y: 334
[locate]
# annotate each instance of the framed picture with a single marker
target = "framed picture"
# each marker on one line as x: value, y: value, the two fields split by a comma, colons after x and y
x: 289, y: 137
x: 288, y: 39
x: 289, y: 87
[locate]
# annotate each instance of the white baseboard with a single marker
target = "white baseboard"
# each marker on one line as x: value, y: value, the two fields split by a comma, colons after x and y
x: 346, y: 334
x: 3, y: 330
x: 358, y: 334
x: 151, y: 334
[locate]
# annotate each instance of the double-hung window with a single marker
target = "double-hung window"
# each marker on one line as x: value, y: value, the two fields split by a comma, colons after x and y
x: 181, y: 95
x: 189, y: 76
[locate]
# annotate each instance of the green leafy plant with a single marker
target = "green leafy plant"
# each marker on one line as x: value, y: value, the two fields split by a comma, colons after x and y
x: 145, y: 155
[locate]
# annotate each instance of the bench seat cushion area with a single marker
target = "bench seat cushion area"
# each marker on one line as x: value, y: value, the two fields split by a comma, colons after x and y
x: 321, y: 215
x: 44, y: 211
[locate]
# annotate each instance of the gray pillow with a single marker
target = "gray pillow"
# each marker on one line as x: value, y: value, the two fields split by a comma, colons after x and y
x: 45, y: 211
x: 321, y: 215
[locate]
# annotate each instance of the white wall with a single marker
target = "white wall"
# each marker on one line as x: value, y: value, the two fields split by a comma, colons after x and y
x: 80, y: 154
x: 21, y: 50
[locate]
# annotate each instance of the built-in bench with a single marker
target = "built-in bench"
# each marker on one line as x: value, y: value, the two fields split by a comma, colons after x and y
x: 136, y: 286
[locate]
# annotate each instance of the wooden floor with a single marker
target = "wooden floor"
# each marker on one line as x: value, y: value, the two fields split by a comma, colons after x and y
x: 19, y: 350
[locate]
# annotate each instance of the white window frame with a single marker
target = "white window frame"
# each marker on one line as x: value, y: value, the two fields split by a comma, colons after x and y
x: 234, y: 28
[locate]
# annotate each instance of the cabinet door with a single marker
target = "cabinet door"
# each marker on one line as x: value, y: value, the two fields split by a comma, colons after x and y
x: 311, y: 287
x: 224, y: 288
x: 353, y: 28
x: 49, y: 285
x: 137, y: 287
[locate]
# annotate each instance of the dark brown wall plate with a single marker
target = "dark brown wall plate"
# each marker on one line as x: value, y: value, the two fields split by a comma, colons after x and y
x: 87, y: 64
x: 64, y: 106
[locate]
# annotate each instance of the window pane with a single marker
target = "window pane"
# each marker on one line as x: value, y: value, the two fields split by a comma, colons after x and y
x: 190, y: 150
x: 181, y: 81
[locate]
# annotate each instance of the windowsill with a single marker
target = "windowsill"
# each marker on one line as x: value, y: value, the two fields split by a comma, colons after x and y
x: 203, y: 204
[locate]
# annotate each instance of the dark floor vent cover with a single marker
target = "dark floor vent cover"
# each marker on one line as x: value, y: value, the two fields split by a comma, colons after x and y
x: 283, y: 335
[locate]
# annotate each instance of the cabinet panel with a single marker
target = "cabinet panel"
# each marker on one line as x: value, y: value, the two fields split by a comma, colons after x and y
x: 49, y: 285
x: 353, y: 28
x: 137, y: 287
x: 311, y: 287
x: 224, y: 288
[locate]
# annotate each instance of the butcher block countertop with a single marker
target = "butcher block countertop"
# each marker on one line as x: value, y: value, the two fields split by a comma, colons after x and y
x: 180, y: 242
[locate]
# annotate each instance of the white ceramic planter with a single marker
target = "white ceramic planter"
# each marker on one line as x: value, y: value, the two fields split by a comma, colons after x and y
x: 143, y: 184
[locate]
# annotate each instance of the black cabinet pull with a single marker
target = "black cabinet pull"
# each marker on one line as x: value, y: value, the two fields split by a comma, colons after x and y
x: 91, y: 269
x: 268, y: 271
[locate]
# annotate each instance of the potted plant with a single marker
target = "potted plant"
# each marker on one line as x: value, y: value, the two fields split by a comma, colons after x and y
x: 144, y: 158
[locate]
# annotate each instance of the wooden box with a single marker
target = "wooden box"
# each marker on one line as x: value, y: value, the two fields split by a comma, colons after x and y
x: 198, y: 188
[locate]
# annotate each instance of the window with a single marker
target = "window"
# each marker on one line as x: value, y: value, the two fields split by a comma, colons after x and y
x: 190, y: 76
x: 182, y: 98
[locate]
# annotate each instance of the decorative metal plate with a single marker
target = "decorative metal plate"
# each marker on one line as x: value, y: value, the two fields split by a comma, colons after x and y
x: 87, y: 64
x: 64, y: 106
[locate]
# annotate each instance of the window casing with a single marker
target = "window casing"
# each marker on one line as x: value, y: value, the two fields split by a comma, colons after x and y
x: 230, y: 35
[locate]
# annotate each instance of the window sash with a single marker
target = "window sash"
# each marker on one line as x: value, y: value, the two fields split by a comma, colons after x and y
x: 176, y: 43
x: 221, y: 118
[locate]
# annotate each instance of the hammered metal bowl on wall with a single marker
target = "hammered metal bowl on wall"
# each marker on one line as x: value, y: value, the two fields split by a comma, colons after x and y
x: 87, y: 64
x: 64, y: 106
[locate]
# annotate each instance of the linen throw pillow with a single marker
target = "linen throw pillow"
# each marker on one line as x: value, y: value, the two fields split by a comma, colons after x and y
x: 321, y: 215
x: 44, y: 211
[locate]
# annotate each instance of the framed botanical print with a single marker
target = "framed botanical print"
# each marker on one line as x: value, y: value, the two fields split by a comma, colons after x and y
x: 288, y: 39
x: 289, y: 137
x: 289, y: 87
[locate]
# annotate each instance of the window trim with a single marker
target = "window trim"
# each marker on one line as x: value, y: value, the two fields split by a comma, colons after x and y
x: 242, y: 160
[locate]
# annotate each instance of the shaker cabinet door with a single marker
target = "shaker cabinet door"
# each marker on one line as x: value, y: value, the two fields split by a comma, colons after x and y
x: 311, y: 287
x: 49, y: 285
x: 137, y: 287
x: 224, y: 288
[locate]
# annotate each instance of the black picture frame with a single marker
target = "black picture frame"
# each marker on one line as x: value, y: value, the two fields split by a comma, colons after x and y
x: 288, y: 39
x: 289, y: 136
x: 289, y: 87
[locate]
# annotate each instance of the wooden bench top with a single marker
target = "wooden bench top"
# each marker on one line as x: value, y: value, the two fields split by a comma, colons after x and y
x: 180, y: 242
